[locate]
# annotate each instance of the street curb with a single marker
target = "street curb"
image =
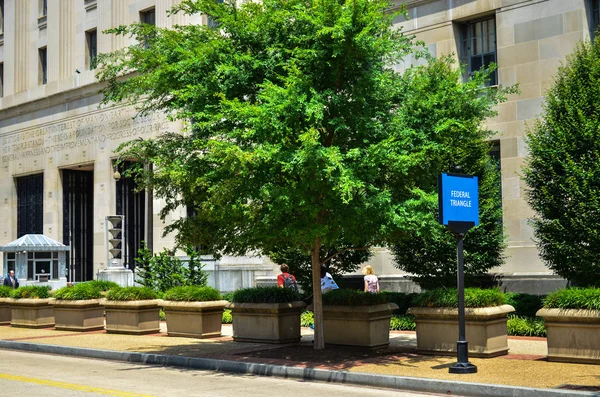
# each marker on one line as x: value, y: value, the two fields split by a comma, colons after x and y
x: 311, y: 374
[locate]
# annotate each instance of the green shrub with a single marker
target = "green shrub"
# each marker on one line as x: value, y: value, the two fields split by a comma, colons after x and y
x: 227, y: 318
x: 81, y: 291
x: 307, y: 318
x: 192, y: 293
x: 5, y: 291
x: 526, y: 326
x: 265, y: 295
x: 102, y: 285
x: 474, y: 297
x: 352, y: 297
x: 228, y: 297
x: 404, y: 301
x: 131, y: 294
x: 574, y: 298
x: 31, y: 291
x: 162, y: 315
x: 403, y: 323
x: 525, y: 305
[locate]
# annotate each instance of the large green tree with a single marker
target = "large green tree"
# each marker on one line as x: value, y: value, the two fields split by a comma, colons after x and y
x: 293, y: 135
x: 563, y: 169
x: 443, y: 117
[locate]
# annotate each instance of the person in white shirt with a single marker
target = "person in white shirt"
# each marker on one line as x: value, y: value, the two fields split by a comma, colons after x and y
x: 371, y: 280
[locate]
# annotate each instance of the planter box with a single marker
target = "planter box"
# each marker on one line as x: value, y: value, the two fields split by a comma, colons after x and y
x: 573, y: 335
x: 367, y: 326
x: 31, y: 313
x: 78, y: 315
x: 194, y: 319
x: 267, y: 322
x: 132, y: 317
x: 437, y: 330
x: 5, y: 314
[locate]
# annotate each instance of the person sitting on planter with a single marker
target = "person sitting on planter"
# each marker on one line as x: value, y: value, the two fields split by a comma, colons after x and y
x: 285, y: 279
x: 11, y: 280
x: 371, y: 280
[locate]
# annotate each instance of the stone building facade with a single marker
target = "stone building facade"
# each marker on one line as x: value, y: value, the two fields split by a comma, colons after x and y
x: 57, y: 143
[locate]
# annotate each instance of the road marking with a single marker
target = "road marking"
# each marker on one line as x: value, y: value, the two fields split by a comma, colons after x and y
x: 72, y: 386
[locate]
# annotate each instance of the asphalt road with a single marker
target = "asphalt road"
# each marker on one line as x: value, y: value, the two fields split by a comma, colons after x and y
x: 30, y: 374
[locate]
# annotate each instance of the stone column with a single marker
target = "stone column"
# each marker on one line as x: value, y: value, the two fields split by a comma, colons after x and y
x: 22, y: 8
x: 66, y: 41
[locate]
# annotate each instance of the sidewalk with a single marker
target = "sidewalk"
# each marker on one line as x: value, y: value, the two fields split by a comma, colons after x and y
x: 396, y: 366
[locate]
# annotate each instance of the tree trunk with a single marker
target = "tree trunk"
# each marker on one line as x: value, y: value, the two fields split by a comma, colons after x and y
x: 317, y: 295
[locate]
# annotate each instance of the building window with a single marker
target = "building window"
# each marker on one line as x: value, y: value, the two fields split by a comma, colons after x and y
x: 30, y: 205
x: 211, y: 22
x: 91, y: 41
x: 42, y: 265
x: 43, y: 65
x: 478, y: 46
x: 1, y: 80
x: 43, y: 5
x: 595, y: 20
x: 148, y: 16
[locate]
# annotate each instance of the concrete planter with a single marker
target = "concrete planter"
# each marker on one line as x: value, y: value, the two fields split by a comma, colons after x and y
x: 132, y: 317
x: 367, y: 326
x: 78, y: 315
x: 194, y: 319
x: 573, y: 335
x: 267, y: 322
x: 5, y: 314
x: 437, y: 330
x: 31, y: 313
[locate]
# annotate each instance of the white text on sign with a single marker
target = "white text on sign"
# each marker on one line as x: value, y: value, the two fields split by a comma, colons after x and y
x: 460, y: 194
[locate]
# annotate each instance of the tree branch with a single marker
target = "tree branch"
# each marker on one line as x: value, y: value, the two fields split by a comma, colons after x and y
x: 330, y: 257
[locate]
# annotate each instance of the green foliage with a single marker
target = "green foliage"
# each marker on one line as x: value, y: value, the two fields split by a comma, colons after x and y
x: 442, y: 118
x: 227, y: 318
x: 162, y: 315
x: 5, y: 291
x: 563, y: 170
x: 351, y: 297
x: 299, y: 262
x: 525, y: 305
x: 228, y: 296
x: 102, y: 285
x: 403, y: 323
x: 131, y: 294
x: 81, y: 291
x: 265, y: 295
x: 404, y: 301
x: 526, y: 326
x: 307, y: 318
x: 192, y: 293
x: 31, y: 292
x: 164, y: 271
x: 574, y: 298
x: 474, y: 297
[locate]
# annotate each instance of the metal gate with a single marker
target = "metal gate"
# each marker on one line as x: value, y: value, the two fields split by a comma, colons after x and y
x: 30, y: 205
x: 132, y: 205
x: 78, y: 206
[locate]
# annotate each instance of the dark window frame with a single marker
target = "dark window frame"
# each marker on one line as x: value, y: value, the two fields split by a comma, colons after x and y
x: 43, y: 59
x: 148, y: 16
x: 91, y: 40
x: 595, y: 17
x: 477, y: 33
x: 30, y: 204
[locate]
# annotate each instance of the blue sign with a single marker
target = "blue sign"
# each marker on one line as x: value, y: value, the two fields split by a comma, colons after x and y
x: 459, y: 201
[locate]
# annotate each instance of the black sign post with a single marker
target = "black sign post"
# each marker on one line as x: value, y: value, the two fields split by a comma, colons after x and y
x: 459, y: 211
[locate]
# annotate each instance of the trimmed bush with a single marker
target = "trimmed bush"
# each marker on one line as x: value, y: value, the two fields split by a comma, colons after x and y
x: 131, y: 294
x: 574, y: 298
x: 525, y: 305
x: 307, y: 318
x: 403, y: 323
x: 228, y: 297
x: 474, y: 297
x: 5, y: 291
x: 31, y: 292
x: 265, y: 295
x: 227, y: 318
x: 101, y: 285
x: 404, y: 301
x: 526, y: 326
x: 351, y: 297
x: 83, y: 291
x: 192, y: 293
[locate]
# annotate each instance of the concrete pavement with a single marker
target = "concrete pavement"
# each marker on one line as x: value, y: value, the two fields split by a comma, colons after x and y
x: 524, y: 372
